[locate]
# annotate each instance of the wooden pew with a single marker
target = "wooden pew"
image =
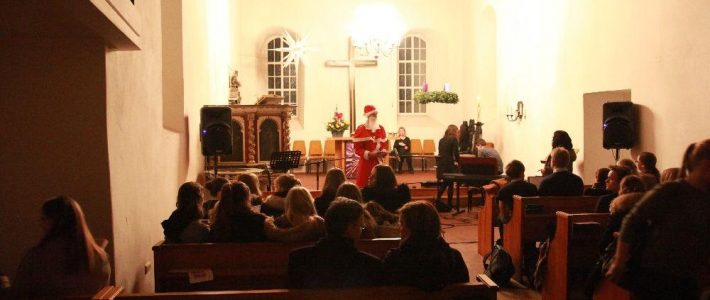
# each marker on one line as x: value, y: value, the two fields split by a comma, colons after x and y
x: 483, y: 289
x: 530, y: 219
x: 572, y: 254
x: 487, y: 216
x: 234, y: 266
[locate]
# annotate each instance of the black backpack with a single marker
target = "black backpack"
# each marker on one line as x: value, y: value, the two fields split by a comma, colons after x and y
x: 498, y: 265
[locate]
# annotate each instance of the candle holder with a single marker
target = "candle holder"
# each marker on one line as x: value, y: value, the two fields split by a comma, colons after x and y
x: 518, y: 114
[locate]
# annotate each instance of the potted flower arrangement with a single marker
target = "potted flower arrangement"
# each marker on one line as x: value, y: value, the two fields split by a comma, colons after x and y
x: 338, y: 125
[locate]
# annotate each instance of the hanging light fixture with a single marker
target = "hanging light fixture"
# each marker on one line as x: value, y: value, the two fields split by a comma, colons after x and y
x: 376, y: 30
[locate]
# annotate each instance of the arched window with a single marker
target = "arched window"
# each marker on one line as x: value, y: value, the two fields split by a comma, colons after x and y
x: 282, y: 78
x: 412, y: 73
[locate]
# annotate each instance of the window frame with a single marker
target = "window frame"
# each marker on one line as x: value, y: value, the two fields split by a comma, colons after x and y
x: 415, y: 59
x: 287, y: 77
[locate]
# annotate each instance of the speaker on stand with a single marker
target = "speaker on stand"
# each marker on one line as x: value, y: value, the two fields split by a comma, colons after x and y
x: 618, y: 125
x: 216, y: 132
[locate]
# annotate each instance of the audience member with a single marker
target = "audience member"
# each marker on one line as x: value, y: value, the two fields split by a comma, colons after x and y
x: 486, y: 152
x: 631, y: 191
x: 668, y: 232
x: 423, y: 259
x: 333, y: 179
x: 613, y: 184
x: 334, y: 261
x: 685, y: 166
x: 515, y: 170
x: 67, y: 261
x: 185, y: 224
x: 646, y: 162
x: 403, y: 150
x: 629, y: 164
x: 234, y: 219
x: 447, y: 161
x: 384, y: 190
x: 560, y: 138
x: 670, y: 174
x: 252, y: 181
x: 299, y: 221
x: 213, y: 188
x: 562, y: 182
x: 275, y: 204
x: 378, y: 221
x: 599, y: 186
x: 351, y: 191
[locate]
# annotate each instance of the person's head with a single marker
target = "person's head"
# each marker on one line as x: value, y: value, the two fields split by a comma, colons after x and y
x: 629, y: 164
x: 560, y: 158
x: 252, y: 181
x: 344, y: 218
x: 601, y: 175
x: 62, y: 218
x: 214, y: 186
x: 481, y: 143
x: 333, y: 179
x: 451, y: 131
x: 616, y: 174
x: 371, y: 115
x: 402, y: 132
x: 515, y: 170
x: 670, y: 174
x: 286, y: 182
x: 419, y: 220
x: 561, y: 139
x: 189, y: 201
x: 646, y: 162
x: 632, y: 184
x: 699, y: 165
x: 351, y: 191
x: 685, y: 167
x: 383, y: 178
x: 236, y: 197
x: 299, y: 206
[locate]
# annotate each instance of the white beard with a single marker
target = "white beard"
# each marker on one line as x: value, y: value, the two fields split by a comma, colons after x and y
x: 372, y: 125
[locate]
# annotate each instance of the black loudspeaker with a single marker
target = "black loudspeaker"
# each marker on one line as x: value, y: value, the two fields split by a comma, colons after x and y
x: 618, y: 125
x: 216, y: 130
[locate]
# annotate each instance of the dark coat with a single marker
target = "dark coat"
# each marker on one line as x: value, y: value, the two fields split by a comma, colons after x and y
x: 391, y: 199
x: 516, y: 187
x: 429, y: 265
x: 246, y: 227
x: 448, y: 155
x: 333, y: 262
x: 401, y: 149
x: 562, y: 183
x: 604, y: 202
x: 322, y: 203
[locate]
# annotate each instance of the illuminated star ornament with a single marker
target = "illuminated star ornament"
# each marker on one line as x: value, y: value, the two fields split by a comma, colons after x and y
x: 294, y: 49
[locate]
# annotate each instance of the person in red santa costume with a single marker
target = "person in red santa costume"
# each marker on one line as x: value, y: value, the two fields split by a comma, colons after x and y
x: 370, y: 142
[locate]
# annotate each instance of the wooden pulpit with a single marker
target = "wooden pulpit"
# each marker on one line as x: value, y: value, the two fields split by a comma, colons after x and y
x: 257, y: 131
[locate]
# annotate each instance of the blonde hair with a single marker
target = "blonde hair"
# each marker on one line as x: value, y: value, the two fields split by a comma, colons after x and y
x: 252, y: 181
x: 351, y: 191
x: 299, y: 206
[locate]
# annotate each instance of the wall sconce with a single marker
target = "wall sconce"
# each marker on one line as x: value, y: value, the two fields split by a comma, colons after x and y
x: 518, y: 114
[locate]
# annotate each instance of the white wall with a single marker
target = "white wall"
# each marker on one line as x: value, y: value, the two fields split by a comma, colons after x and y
x: 445, y: 25
x: 552, y: 52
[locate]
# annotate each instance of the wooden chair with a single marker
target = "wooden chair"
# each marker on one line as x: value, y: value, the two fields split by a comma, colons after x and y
x: 417, y: 152
x: 300, y: 145
x: 428, y: 152
x: 532, y: 217
x: 315, y: 152
x: 329, y: 153
x: 572, y: 254
x: 483, y: 288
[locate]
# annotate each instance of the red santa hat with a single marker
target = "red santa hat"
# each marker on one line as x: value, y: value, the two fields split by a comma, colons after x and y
x: 369, y: 110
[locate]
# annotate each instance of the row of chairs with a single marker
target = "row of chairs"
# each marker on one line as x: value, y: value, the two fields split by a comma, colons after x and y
x: 316, y: 151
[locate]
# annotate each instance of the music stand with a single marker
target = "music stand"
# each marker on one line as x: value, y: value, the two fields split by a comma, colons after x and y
x: 282, y: 162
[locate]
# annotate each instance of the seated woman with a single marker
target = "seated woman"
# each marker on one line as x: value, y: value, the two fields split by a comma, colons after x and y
x: 299, y: 222
x: 631, y: 192
x: 599, y: 186
x: 185, y: 224
x: 213, y: 188
x: 384, y: 190
x: 252, y: 181
x: 423, y: 259
x: 234, y: 219
x: 403, y: 150
x: 379, y: 223
x: 647, y: 169
x: 67, y: 261
x: 333, y: 179
x: 670, y: 174
x: 275, y: 204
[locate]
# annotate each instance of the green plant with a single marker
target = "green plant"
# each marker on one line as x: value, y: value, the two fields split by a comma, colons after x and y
x: 436, y: 97
x: 338, y: 124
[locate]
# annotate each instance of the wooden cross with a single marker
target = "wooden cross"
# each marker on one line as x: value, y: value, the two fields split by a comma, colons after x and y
x: 351, y: 63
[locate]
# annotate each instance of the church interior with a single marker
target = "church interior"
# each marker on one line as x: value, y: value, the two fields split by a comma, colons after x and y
x: 104, y: 101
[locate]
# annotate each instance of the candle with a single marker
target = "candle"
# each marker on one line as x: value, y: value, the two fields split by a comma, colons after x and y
x: 425, y: 87
x: 447, y: 87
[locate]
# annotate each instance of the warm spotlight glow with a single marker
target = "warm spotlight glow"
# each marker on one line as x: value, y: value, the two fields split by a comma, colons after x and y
x: 218, y: 45
x: 377, y: 29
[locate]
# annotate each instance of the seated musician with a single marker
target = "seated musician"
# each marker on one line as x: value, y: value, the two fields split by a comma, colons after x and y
x: 515, y: 170
x: 562, y: 182
x: 485, y: 152
x: 423, y: 259
x: 334, y: 261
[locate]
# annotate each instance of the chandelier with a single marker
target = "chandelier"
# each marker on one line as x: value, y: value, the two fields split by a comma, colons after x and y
x: 377, y: 30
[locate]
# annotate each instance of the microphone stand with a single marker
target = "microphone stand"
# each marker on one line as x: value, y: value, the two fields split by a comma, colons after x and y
x: 318, y: 163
